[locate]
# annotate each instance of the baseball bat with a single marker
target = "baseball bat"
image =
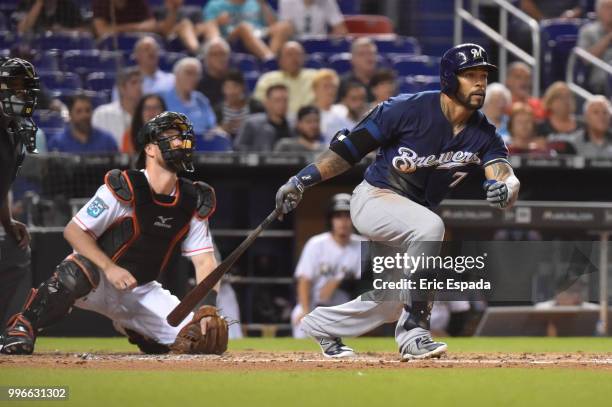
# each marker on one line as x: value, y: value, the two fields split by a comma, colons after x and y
x: 203, y: 288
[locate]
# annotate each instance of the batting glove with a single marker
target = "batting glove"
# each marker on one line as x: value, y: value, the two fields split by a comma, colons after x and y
x: 289, y: 195
x: 497, y: 193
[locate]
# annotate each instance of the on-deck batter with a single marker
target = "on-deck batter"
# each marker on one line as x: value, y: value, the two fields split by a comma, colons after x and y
x: 427, y: 143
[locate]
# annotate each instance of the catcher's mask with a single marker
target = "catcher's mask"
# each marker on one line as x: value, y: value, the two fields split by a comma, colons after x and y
x: 19, y: 89
x: 177, y: 158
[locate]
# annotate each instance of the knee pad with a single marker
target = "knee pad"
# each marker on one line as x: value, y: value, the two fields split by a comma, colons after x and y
x: 74, y: 278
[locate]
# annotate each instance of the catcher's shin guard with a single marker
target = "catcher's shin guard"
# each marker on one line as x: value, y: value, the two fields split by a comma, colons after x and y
x: 73, y: 278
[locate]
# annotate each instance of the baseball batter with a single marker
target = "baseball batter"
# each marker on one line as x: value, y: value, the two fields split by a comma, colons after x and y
x: 427, y: 143
x: 123, y: 238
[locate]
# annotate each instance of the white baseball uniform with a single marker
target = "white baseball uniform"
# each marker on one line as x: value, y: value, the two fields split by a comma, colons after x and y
x: 322, y: 261
x: 144, y: 308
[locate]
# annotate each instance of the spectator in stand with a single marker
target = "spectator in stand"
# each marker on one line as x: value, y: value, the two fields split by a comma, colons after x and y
x: 523, y: 138
x: 597, y: 140
x: 325, y: 86
x: 115, y: 117
x: 518, y: 81
x: 353, y: 103
x: 248, y: 21
x: 596, y: 38
x: 561, y: 129
x: 308, y: 133
x: 261, y: 131
x: 149, y: 106
x: 80, y: 136
x: 184, y: 98
x: 293, y: 75
x: 48, y: 15
x: 313, y: 17
x: 383, y: 85
x: 146, y: 54
x: 498, y: 101
x: 215, y: 61
x: 136, y: 16
x: 236, y: 105
x: 364, y: 54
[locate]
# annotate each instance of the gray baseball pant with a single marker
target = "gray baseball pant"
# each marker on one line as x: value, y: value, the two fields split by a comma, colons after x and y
x: 382, y: 216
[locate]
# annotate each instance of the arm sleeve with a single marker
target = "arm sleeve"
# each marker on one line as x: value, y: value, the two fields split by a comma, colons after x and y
x: 100, y: 212
x: 333, y: 13
x: 306, y: 265
x: 198, y: 240
x: 495, y: 151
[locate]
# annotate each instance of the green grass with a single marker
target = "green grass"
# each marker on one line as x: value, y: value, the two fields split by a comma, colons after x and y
x: 490, y: 344
x: 404, y: 386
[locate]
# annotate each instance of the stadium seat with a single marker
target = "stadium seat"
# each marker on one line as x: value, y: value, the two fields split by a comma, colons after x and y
x: 419, y: 83
x: 60, y: 82
x: 8, y: 39
x: 46, y: 61
x: 324, y: 44
x: 368, y: 24
x: 245, y: 62
x: 555, y: 55
x: 100, y: 81
x: 555, y: 27
x: 340, y: 63
x: 125, y: 41
x: 84, y: 62
x: 269, y: 65
x: 168, y: 59
x: 315, y: 61
x: 397, y: 45
x: 251, y: 80
x: 65, y: 41
x: 4, y: 25
x: 48, y: 120
x: 349, y: 6
x: 416, y: 65
x: 97, y: 98
x: 8, y: 5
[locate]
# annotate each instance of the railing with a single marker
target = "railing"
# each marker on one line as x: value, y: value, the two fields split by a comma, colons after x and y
x: 583, y: 54
x: 501, y: 37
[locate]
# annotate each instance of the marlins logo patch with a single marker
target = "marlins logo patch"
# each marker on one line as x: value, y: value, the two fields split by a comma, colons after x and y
x: 96, y: 207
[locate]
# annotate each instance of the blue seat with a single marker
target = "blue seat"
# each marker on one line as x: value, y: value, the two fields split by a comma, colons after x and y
x: 269, y: 65
x: 349, y: 6
x: 46, y: 61
x: 168, y: 59
x: 97, y: 98
x: 419, y: 83
x: 554, y: 58
x: 65, y: 41
x: 555, y: 27
x: 125, y: 41
x: 100, y: 81
x: 340, y: 63
x: 315, y: 61
x: 416, y: 65
x: 8, y: 39
x: 251, y: 79
x: 48, y: 120
x: 325, y: 44
x: 84, y: 62
x: 398, y: 45
x: 60, y: 82
x: 245, y: 62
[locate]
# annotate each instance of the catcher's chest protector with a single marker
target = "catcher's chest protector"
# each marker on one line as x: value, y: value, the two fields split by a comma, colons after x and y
x: 145, y: 243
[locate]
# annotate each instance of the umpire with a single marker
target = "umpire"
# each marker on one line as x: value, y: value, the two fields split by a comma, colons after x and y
x: 19, y: 89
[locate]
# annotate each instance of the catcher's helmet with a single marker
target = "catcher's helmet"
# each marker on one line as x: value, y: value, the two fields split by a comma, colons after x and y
x: 457, y: 59
x: 19, y: 87
x: 152, y: 132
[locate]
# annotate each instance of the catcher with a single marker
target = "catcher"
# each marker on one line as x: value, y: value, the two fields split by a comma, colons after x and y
x: 123, y: 238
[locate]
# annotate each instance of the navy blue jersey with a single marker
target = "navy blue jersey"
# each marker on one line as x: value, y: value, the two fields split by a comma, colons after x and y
x: 419, y: 157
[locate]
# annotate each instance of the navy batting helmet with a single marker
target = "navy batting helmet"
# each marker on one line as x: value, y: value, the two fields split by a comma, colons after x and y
x: 457, y: 59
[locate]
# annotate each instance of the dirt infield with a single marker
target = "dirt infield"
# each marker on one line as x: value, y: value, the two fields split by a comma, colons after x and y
x: 262, y: 361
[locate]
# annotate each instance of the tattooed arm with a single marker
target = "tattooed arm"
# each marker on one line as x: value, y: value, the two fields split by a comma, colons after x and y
x: 502, y: 185
x: 331, y: 164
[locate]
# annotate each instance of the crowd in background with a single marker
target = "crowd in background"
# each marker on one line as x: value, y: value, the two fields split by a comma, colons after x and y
x: 292, y: 107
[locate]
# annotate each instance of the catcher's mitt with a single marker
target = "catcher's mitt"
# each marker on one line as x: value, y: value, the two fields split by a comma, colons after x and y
x: 191, y: 339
